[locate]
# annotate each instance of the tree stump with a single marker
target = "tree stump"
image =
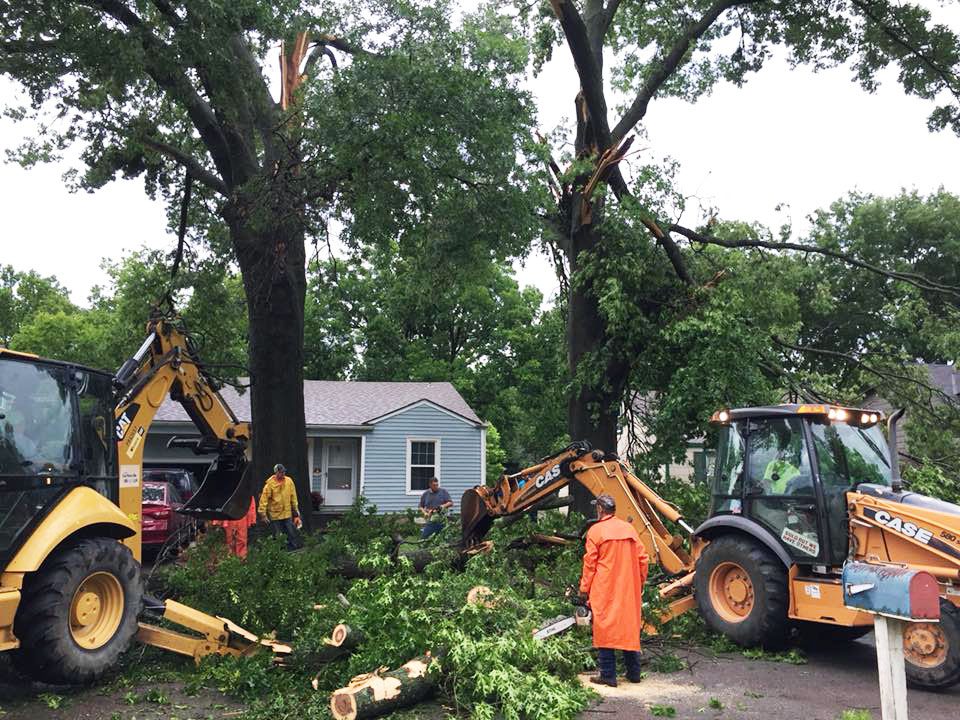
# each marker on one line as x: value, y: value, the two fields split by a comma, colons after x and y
x: 383, y: 691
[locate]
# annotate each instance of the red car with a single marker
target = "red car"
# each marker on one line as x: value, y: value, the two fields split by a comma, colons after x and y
x: 161, y: 523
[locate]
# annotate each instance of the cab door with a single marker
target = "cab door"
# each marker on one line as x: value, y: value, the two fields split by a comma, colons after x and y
x: 780, y: 491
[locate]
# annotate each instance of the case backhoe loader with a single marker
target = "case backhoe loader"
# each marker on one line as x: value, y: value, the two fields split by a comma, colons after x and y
x: 797, y: 491
x: 71, y: 455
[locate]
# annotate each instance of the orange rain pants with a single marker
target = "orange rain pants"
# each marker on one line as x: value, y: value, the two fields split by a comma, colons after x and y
x: 614, y: 571
x: 236, y: 531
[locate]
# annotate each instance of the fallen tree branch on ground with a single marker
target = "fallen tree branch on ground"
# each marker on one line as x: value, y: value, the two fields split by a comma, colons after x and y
x: 383, y: 691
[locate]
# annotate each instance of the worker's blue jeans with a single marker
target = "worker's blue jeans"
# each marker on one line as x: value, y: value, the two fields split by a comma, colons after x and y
x: 286, y: 526
x: 607, y: 660
x: 431, y: 528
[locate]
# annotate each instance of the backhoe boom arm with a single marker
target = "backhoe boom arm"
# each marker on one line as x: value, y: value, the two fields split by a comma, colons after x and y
x: 637, y: 503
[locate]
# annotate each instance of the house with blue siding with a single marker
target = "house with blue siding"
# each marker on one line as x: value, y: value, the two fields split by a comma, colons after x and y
x: 382, y: 440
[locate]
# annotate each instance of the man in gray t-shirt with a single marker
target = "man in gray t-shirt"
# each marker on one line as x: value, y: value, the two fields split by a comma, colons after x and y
x: 433, y: 503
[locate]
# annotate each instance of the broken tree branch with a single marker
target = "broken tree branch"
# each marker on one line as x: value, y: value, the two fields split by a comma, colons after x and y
x: 915, y: 279
x: 189, y: 163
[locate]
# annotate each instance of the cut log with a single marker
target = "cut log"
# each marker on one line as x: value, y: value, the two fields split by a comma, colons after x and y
x: 343, y: 640
x: 383, y: 691
x: 344, y: 637
x: 481, y: 595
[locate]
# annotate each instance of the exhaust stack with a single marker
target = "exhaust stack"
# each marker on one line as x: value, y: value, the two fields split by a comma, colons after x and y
x: 896, y: 483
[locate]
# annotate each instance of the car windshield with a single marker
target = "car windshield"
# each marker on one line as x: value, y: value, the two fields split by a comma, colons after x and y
x: 36, y: 419
x: 153, y: 494
x: 848, y: 455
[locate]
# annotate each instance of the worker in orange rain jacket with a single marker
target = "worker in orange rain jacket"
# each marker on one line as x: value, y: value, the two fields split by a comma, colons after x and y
x: 236, y: 530
x: 614, y: 570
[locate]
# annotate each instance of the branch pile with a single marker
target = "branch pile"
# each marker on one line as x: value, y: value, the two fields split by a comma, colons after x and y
x: 360, y: 641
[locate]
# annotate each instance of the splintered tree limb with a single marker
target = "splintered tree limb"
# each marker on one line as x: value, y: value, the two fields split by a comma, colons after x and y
x: 383, y: 691
x: 588, y: 69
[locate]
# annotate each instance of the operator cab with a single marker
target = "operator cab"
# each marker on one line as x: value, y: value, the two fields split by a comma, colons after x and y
x: 56, y: 432
x: 788, y: 468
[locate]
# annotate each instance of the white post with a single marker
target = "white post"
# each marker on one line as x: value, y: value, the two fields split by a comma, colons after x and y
x: 893, y: 677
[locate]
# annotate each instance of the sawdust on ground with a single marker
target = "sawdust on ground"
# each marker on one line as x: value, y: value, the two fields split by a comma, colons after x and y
x: 654, y: 688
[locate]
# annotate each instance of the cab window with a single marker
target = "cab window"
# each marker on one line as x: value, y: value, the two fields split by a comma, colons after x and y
x: 728, y: 473
x: 36, y: 419
x: 779, y: 460
x: 95, y: 400
x: 779, y: 489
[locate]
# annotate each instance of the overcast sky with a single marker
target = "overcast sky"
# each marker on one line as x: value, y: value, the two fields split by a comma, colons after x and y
x: 789, y: 137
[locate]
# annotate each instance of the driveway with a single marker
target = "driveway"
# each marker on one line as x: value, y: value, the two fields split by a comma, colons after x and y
x: 841, y: 678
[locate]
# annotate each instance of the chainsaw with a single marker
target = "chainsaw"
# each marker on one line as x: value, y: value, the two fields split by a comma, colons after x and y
x: 581, y: 617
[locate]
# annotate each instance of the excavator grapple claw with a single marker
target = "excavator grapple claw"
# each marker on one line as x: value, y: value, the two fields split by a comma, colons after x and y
x: 225, y: 492
x: 475, y: 520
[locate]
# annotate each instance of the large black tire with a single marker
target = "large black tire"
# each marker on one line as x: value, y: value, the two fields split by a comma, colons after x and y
x: 78, y: 612
x: 943, y: 674
x: 756, y: 575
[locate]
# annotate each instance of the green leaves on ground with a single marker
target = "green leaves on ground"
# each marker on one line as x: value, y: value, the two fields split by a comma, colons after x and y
x: 490, y: 664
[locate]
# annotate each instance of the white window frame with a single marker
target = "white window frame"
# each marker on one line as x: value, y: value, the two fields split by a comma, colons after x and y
x: 436, y: 461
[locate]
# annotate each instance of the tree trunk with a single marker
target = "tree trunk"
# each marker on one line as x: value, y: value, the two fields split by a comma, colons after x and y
x: 378, y: 693
x: 269, y: 244
x: 594, y: 405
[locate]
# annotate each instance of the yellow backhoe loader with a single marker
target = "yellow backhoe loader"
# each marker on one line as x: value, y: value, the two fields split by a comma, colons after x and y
x: 797, y: 491
x: 71, y: 467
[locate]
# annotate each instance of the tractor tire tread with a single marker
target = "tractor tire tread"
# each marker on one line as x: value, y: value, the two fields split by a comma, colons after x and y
x: 768, y: 624
x: 47, y: 651
x: 947, y: 674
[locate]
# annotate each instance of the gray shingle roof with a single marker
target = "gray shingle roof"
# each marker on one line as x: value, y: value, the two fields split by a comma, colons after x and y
x: 335, y: 402
x: 945, y: 378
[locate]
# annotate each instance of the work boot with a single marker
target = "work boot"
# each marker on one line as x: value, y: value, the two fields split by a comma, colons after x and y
x: 601, y: 680
x: 634, y: 677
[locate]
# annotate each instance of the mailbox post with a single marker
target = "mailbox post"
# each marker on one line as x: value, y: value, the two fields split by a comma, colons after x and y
x: 895, y: 596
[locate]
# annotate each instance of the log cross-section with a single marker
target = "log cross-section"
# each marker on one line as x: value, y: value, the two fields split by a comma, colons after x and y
x: 383, y: 691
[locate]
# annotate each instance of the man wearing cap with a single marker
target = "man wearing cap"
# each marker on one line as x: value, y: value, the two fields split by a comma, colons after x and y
x: 614, y: 570
x: 278, y: 506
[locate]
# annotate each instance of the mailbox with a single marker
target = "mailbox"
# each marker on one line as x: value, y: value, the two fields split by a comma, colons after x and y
x: 891, y: 591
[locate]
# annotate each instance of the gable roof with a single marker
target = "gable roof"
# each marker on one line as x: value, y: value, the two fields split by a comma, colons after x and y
x: 345, y: 403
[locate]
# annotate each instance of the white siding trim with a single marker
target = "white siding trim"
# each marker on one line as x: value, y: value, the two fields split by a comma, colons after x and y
x: 420, y: 403
x: 483, y: 456
x: 436, y: 460
x: 363, y: 461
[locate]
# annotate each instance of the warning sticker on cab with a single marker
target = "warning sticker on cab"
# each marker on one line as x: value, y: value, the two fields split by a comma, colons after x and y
x: 129, y: 476
x: 802, y: 543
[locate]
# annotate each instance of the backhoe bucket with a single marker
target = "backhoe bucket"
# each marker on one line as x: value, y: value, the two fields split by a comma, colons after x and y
x: 225, y: 492
x: 475, y: 521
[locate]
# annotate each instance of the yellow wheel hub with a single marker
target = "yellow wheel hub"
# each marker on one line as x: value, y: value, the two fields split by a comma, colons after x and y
x: 96, y: 610
x: 925, y: 644
x: 731, y: 592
